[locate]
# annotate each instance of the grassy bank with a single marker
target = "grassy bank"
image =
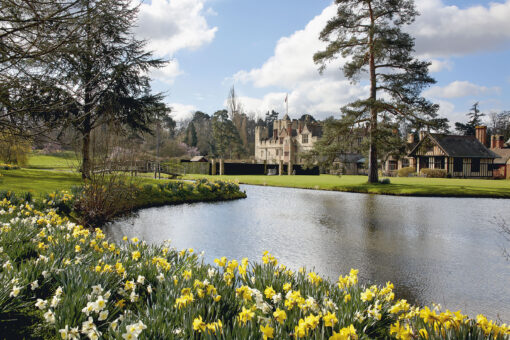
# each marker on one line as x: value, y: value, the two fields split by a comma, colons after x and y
x: 101, y: 201
x: 407, y: 186
x: 59, y: 280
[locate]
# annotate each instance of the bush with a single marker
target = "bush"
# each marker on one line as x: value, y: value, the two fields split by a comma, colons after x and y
x: 433, y: 173
x: 385, y: 181
x: 104, y: 197
x: 405, y: 172
x: 8, y: 167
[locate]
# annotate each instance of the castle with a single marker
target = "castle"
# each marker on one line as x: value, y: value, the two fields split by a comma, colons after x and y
x: 287, y: 140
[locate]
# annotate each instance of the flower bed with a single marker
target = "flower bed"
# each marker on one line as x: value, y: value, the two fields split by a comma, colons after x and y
x: 59, y: 279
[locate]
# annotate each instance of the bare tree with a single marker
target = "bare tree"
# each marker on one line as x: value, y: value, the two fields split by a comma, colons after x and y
x: 235, y: 107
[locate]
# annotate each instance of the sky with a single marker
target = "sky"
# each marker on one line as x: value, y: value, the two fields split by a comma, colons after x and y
x: 265, y: 47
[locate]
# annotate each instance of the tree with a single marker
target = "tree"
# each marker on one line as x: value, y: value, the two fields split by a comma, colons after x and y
x: 369, y: 33
x: 225, y: 135
x: 469, y: 129
x: 31, y: 38
x: 170, y: 124
x: 191, y: 135
x: 500, y: 124
x: 103, y: 71
x: 234, y: 104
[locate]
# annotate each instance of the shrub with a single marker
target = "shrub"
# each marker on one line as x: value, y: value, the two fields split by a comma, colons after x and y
x: 104, y: 197
x: 405, y: 172
x: 385, y: 181
x: 433, y: 173
x: 8, y: 167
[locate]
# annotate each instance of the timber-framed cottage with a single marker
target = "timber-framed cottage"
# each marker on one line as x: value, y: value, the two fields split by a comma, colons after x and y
x: 459, y: 156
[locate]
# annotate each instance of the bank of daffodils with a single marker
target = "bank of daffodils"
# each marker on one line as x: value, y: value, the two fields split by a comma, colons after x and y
x: 80, y: 285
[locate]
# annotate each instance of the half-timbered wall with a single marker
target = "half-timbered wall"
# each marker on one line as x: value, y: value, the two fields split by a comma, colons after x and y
x: 484, y: 171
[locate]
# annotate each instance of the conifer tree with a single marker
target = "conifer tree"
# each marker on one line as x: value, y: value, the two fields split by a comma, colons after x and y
x: 369, y: 34
x: 103, y: 71
x: 469, y: 129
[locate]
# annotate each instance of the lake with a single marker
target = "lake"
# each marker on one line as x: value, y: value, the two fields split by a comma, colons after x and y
x: 442, y: 250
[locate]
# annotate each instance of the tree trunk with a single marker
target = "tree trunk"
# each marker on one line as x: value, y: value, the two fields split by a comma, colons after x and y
x: 85, y: 150
x: 373, y: 171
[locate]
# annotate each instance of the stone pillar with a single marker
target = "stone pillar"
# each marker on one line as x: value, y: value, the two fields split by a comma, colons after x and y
x: 280, y: 167
x: 213, y: 167
x: 222, y: 167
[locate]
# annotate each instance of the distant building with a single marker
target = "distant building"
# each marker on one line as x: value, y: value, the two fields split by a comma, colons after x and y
x: 501, y: 167
x: 287, y: 141
x: 199, y: 159
x: 460, y: 156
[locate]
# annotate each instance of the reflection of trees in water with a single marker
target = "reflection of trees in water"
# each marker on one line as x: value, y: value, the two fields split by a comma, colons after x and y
x: 386, y: 252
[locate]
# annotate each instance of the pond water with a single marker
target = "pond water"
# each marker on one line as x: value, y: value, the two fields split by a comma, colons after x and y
x: 442, y: 250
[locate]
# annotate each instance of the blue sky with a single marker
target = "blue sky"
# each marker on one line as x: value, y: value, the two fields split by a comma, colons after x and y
x: 265, y: 48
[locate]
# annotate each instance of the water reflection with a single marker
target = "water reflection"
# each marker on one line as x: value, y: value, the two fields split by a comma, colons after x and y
x: 434, y: 249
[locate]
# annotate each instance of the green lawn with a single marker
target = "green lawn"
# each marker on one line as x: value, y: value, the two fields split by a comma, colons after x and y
x: 39, y: 182
x: 412, y: 186
x: 64, y: 160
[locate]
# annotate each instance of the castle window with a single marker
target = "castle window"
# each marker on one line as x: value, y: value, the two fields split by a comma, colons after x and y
x: 277, y: 152
x: 261, y: 153
x: 286, y: 154
x: 304, y: 138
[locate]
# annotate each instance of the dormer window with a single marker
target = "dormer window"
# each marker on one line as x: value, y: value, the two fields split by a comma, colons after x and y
x: 304, y: 138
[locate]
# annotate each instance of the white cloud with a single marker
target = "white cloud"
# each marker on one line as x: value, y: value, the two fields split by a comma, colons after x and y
x: 439, y: 65
x: 443, y: 30
x: 458, y: 89
x: 172, y: 25
x: 321, y: 98
x: 168, y: 73
x: 292, y: 62
x: 182, y: 111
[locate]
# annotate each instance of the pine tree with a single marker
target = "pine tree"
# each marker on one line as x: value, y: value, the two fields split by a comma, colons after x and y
x: 469, y: 129
x: 369, y: 33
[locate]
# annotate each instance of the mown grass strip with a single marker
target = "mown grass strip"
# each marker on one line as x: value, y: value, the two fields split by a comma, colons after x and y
x: 405, y: 186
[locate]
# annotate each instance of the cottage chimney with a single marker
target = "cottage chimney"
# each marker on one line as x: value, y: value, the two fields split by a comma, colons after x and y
x: 422, y: 135
x: 410, y: 138
x: 481, y: 134
x: 497, y: 142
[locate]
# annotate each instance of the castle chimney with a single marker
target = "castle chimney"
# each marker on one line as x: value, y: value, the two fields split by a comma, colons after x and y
x: 289, y: 129
x: 481, y: 134
x: 493, y: 141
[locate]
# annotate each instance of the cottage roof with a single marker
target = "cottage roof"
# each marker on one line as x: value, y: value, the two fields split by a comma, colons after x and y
x: 504, y: 156
x: 457, y: 146
x: 199, y: 159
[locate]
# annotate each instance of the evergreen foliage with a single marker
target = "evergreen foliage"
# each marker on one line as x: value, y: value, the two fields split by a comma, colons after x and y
x: 226, y: 137
x: 469, y: 129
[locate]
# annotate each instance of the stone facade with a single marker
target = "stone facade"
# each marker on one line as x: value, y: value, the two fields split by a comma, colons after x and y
x: 288, y: 140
